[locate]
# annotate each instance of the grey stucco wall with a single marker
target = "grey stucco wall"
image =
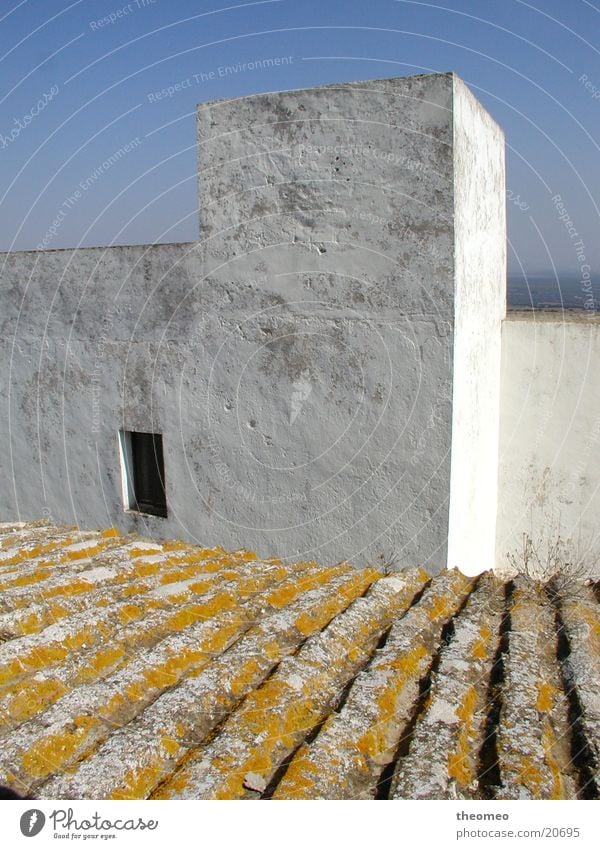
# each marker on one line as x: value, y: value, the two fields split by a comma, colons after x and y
x: 298, y: 360
x: 81, y: 331
x: 329, y: 213
x: 549, y: 478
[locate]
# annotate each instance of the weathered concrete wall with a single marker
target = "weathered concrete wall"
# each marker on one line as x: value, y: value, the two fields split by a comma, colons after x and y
x: 480, y: 306
x: 85, y: 351
x: 549, y: 479
x: 329, y: 213
x: 299, y: 360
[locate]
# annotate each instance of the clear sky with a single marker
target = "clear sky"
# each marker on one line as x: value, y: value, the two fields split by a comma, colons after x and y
x: 75, y: 89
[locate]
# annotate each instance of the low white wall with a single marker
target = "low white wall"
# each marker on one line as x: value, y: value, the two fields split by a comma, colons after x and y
x: 549, y: 475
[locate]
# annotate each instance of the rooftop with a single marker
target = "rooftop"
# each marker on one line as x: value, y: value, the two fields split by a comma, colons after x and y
x: 136, y: 669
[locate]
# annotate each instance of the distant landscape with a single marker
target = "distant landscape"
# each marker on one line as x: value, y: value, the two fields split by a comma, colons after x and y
x: 545, y: 291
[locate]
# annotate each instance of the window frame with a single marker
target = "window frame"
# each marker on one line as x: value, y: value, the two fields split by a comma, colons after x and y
x: 129, y: 489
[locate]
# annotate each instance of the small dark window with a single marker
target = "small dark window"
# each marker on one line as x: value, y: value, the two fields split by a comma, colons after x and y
x: 145, y: 469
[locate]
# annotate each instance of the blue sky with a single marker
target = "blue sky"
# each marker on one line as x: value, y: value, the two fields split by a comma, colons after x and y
x: 534, y: 65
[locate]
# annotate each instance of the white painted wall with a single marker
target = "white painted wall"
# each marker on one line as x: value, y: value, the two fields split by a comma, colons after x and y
x: 479, y: 307
x: 549, y: 480
x: 327, y: 213
x: 302, y: 361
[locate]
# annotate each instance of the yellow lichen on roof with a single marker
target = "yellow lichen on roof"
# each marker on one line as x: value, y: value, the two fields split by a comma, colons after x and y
x: 132, y: 668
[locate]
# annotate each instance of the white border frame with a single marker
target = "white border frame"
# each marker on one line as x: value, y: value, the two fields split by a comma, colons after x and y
x: 126, y: 462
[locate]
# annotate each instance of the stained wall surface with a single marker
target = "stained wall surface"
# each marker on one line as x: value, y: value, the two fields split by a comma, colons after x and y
x: 299, y: 359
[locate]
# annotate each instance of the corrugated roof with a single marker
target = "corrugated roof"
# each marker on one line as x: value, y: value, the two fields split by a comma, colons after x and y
x: 135, y: 669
